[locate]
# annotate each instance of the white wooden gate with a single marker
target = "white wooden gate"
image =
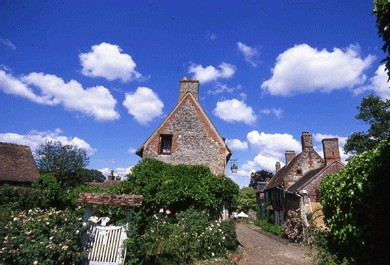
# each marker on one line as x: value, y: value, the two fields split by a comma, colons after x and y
x: 106, y: 245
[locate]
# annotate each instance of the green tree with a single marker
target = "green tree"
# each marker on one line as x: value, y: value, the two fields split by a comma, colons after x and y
x: 246, y: 199
x: 62, y: 161
x: 376, y: 113
x: 259, y: 176
x: 91, y: 175
x: 354, y: 202
x: 382, y: 13
x: 50, y: 189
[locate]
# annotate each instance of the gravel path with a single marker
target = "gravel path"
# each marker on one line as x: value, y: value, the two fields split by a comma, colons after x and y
x: 261, y: 248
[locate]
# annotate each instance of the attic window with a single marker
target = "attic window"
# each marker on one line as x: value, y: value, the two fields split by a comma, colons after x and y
x: 165, y: 147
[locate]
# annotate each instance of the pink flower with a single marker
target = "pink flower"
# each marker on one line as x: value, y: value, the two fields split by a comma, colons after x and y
x: 35, y: 262
x: 167, y: 211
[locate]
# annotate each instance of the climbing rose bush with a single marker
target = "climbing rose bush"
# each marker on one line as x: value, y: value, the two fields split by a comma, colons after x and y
x: 41, y: 236
x: 293, y: 227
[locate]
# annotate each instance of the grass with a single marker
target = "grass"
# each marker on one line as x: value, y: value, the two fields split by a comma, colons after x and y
x: 266, y: 226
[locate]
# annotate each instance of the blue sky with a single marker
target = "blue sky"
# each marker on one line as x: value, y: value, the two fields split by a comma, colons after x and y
x: 103, y: 75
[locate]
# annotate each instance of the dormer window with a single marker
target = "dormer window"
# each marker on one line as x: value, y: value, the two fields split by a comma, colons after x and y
x: 165, y: 147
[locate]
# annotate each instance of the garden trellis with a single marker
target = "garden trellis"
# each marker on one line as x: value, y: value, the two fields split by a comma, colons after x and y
x: 105, y: 243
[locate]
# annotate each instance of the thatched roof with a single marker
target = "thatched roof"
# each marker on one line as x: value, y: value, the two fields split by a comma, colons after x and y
x: 17, y: 164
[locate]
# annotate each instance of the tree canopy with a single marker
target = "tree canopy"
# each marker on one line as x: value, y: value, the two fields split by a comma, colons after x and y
x: 62, y: 161
x: 376, y: 113
x: 382, y: 13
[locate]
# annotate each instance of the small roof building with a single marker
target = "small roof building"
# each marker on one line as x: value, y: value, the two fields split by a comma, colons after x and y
x: 187, y: 135
x: 17, y: 165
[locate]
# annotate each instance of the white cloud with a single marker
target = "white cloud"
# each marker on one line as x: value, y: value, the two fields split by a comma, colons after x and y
x: 273, y: 145
x: 249, y: 53
x: 221, y: 88
x: 211, y: 36
x: 318, y: 137
x: 277, y: 112
x: 378, y: 83
x: 234, y: 111
x: 34, y: 138
x: 96, y: 101
x: 144, y: 105
x: 132, y: 150
x: 210, y: 73
x: 8, y: 43
x: 119, y: 171
x: 236, y: 144
x: 303, y: 69
x: 107, y: 60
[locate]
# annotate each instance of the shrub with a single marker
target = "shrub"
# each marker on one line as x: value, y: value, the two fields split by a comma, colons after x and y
x: 270, y: 227
x: 43, y: 236
x: 293, y: 227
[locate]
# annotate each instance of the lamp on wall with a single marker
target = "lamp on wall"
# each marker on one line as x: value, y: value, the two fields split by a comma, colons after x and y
x: 234, y: 167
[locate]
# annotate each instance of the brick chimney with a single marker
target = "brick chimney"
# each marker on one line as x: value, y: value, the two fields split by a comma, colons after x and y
x: 277, y: 167
x: 111, y: 175
x: 289, y: 155
x: 306, y: 140
x: 191, y: 86
x: 331, y: 150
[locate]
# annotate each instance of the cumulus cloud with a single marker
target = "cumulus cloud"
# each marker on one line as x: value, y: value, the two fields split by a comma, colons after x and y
x: 303, y: 69
x: 132, y: 150
x: 234, y: 110
x: 378, y: 83
x: 236, y: 144
x: 34, y: 138
x: 107, y: 61
x: 51, y: 90
x: 8, y: 43
x: 221, y: 88
x: 144, y: 105
x: 248, y: 52
x: 275, y: 111
x: 119, y: 171
x: 210, y: 73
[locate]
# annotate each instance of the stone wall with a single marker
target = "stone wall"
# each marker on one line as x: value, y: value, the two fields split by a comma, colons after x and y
x: 194, y: 140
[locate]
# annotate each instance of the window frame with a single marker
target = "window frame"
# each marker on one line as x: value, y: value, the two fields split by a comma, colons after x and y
x: 165, y: 140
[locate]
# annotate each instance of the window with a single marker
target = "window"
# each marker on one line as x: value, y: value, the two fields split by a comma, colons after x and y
x: 299, y: 171
x: 165, y: 144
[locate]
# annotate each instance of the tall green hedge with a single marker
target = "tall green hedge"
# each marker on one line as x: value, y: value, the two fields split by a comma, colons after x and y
x: 355, y: 201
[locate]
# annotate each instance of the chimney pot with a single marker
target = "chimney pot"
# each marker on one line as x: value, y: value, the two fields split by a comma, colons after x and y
x: 331, y: 150
x: 306, y: 140
x: 277, y: 167
x: 289, y: 155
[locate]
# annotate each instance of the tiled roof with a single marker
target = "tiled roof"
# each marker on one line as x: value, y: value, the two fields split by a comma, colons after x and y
x: 17, y: 163
x: 107, y: 183
x: 313, y: 174
x: 277, y: 180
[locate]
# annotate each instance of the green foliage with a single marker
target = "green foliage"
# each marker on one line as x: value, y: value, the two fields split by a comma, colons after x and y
x: 50, y: 190
x: 43, y: 237
x: 90, y: 175
x: 185, y: 238
x: 376, y: 113
x: 353, y: 202
x: 62, y: 161
x: 382, y: 13
x: 293, y: 227
x: 178, y: 187
x: 259, y: 176
x: 246, y: 200
x: 270, y: 227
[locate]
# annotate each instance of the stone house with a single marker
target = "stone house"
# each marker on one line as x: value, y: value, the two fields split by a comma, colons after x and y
x: 187, y: 135
x: 297, y: 183
x: 17, y: 165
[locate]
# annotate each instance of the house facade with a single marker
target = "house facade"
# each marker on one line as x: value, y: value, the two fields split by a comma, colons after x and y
x: 297, y: 183
x: 17, y: 165
x: 187, y: 135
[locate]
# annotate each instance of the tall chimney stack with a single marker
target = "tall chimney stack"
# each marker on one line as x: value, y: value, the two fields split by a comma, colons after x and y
x: 191, y: 86
x: 306, y: 140
x: 331, y: 150
x: 277, y: 167
x: 289, y: 155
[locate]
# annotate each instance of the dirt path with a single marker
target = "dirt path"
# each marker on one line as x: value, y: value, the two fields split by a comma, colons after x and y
x: 264, y: 249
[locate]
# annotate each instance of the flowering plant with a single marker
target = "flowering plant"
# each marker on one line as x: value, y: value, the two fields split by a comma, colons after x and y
x: 293, y: 227
x: 41, y: 236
